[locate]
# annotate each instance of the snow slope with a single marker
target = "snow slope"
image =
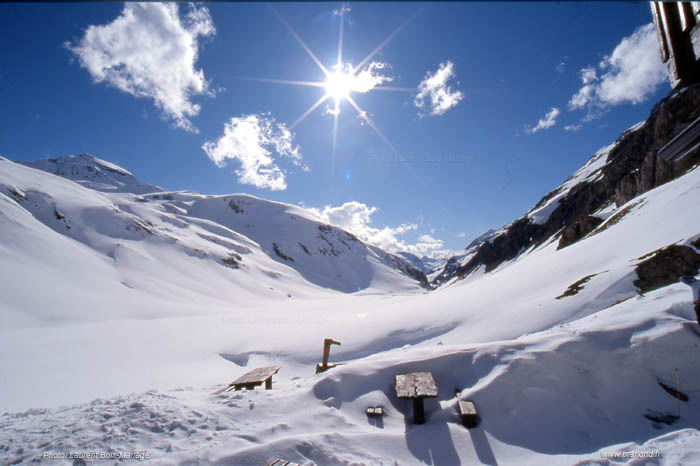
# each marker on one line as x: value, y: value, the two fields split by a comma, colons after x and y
x: 235, y: 243
x: 556, y: 381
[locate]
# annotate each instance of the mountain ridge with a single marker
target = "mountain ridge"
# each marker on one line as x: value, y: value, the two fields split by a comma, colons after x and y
x: 119, y: 211
x: 611, y: 177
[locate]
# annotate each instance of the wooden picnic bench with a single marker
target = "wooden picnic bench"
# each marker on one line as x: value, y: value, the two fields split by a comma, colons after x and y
x: 416, y: 386
x: 281, y: 462
x: 468, y: 413
x: 252, y: 379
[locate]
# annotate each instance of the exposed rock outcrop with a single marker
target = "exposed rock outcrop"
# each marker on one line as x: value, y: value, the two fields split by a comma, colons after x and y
x: 666, y: 266
x: 578, y: 229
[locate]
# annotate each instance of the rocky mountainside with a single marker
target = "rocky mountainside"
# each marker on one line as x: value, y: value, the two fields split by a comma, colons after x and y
x: 582, y: 204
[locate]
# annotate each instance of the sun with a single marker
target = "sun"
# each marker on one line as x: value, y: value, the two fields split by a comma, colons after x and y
x: 339, y: 84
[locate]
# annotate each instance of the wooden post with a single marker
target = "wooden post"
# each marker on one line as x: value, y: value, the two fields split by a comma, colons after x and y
x: 324, y: 366
x: 418, y: 411
x: 268, y: 384
x: 327, y: 349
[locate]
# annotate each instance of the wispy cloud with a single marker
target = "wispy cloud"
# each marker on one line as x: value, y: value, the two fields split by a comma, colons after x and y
x: 370, y: 77
x: 573, y: 127
x: 435, y: 94
x: 561, y: 67
x: 258, y: 143
x: 356, y: 217
x: 150, y: 51
x: 343, y: 10
x: 549, y: 120
x: 630, y: 74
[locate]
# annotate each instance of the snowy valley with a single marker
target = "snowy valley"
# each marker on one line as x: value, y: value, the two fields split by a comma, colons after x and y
x: 125, y: 306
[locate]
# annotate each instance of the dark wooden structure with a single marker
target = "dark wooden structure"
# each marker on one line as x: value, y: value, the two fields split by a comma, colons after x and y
x: 416, y: 386
x: 678, y: 33
x: 252, y: 379
x: 468, y: 413
x: 281, y: 462
x: 682, y: 144
x: 324, y: 366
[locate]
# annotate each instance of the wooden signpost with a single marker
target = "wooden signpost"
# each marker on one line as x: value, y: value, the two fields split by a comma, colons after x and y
x: 324, y: 366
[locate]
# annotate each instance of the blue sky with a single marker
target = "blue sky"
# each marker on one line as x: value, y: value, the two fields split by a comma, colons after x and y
x: 492, y: 105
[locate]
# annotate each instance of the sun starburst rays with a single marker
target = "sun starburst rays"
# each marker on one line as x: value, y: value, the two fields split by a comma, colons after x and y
x: 301, y: 42
x: 309, y: 110
x: 342, y: 81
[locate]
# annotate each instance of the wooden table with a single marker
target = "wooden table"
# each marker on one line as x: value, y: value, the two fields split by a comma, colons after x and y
x: 416, y: 386
x: 252, y: 379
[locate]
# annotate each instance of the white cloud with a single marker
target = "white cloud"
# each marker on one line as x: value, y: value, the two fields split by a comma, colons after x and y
x: 344, y: 9
x: 435, y: 93
x: 356, y: 217
x: 572, y: 128
x: 549, y: 120
x: 587, y: 92
x: 363, y: 81
x: 370, y: 77
x: 150, y: 51
x: 631, y: 73
x: 250, y: 140
x: 461, y: 235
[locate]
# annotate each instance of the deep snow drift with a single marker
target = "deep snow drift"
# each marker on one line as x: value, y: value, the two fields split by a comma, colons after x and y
x: 129, y: 310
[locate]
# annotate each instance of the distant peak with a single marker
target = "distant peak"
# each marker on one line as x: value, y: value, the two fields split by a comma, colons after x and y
x: 93, y: 172
x: 87, y: 159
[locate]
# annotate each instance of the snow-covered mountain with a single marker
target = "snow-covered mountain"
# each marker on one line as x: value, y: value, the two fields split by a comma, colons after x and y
x: 424, y: 263
x: 570, y: 343
x: 94, y: 173
x: 250, y: 242
x: 448, y: 270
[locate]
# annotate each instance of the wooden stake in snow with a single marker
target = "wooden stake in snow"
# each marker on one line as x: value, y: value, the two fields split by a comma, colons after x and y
x: 324, y: 366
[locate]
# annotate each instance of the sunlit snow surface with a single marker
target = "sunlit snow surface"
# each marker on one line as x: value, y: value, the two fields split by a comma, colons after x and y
x: 131, y: 331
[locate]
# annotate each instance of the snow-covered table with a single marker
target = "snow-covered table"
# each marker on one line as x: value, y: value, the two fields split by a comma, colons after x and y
x: 252, y: 379
x: 416, y: 386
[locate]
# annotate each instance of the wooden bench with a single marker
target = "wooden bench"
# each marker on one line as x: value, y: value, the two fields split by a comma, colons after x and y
x: 252, y: 379
x: 468, y: 413
x: 416, y: 386
x: 281, y: 462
